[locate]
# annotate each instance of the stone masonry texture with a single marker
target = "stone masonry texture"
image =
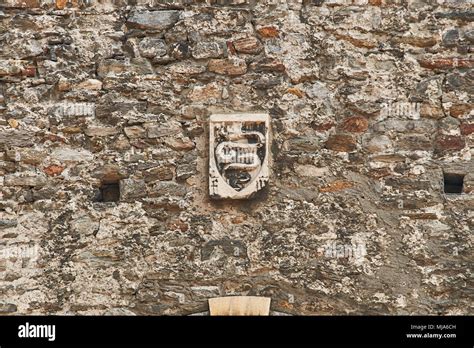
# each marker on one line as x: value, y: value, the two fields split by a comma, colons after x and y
x: 370, y: 102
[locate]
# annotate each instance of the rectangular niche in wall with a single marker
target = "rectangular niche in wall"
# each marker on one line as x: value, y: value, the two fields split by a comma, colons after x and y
x: 110, y: 192
x: 238, y: 155
x: 453, y: 183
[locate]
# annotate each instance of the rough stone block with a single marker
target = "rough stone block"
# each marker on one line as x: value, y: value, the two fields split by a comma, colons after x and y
x: 303, y: 144
x: 25, y: 179
x: 164, y: 172
x: 449, y: 143
x: 208, y: 49
x: 65, y: 154
x: 168, y: 188
x: 11, y: 67
x: 152, y: 47
x: 53, y: 170
x: 7, y: 307
x: 467, y: 128
x: 156, y: 20
x: 355, y: 124
x: 231, y: 66
x: 249, y: 45
x: 131, y: 189
x: 268, y: 32
x: 4, y: 223
x: 341, y: 143
x: 446, y: 63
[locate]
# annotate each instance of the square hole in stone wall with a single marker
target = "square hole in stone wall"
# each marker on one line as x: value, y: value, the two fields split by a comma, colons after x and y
x: 453, y: 183
x: 109, y: 192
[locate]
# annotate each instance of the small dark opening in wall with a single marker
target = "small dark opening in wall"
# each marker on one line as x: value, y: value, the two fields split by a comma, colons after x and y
x: 453, y: 183
x: 110, y: 192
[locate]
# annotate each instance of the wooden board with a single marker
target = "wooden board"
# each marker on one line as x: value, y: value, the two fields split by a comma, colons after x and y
x: 239, y: 305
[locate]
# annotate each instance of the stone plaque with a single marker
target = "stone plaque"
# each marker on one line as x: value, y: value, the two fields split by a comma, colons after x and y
x: 238, y: 155
x: 239, y: 305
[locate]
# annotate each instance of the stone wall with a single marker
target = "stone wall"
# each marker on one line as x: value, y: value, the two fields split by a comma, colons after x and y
x: 370, y: 103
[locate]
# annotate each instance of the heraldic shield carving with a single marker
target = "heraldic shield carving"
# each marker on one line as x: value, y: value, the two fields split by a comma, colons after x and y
x: 238, y: 155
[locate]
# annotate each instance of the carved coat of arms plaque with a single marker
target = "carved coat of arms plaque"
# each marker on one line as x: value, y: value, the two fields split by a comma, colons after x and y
x: 238, y: 155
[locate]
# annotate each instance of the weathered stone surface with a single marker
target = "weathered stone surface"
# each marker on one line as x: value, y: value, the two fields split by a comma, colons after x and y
x: 168, y: 188
x: 8, y: 307
x: 416, y: 41
x: 407, y: 184
x: 414, y: 142
x: 187, y: 69
x: 357, y: 42
x: 308, y: 170
x: 268, y: 65
x: 451, y: 37
x: 422, y: 216
x: 164, y: 172
x: 25, y: 179
x: 207, y: 49
x: 8, y: 223
x: 186, y: 170
x: 433, y: 111
x: 337, y: 185
x: 152, y: 47
x: 249, y: 45
x: 446, y: 63
x: 296, y: 91
x: 115, y: 67
x: 341, y: 143
x: 132, y: 189
x: 109, y: 173
x: 231, y: 66
x: 460, y: 110
x: 461, y: 15
x: 406, y: 126
x: 180, y: 144
x: 101, y: 131
x: 11, y: 67
x: 268, y: 32
x: 134, y: 132
x: 467, y: 128
x: 303, y: 144
x: 469, y: 35
x: 90, y: 84
x: 355, y: 124
x: 13, y: 123
x: 11, y: 138
x: 206, y: 93
x: 379, y: 143
x: 110, y: 67
x: 53, y: 170
x: 156, y: 20
x: 71, y: 155
x: 449, y: 143
x: 164, y: 130
x: 31, y: 156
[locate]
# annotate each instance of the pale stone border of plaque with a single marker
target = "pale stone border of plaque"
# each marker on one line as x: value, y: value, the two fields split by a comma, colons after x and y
x: 218, y: 188
x: 239, y: 305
